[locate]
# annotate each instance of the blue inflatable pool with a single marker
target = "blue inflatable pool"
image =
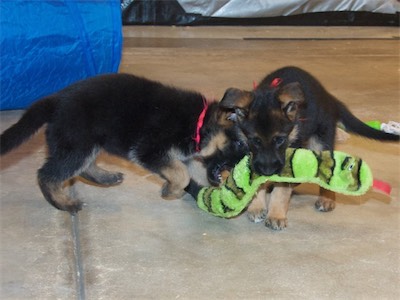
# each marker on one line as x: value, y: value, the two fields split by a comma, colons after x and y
x: 47, y: 45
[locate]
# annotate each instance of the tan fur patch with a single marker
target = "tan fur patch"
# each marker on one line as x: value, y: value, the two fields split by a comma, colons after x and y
x: 177, y: 177
x: 314, y: 144
x: 293, y: 134
x: 276, y: 114
x: 223, y: 119
x: 53, y: 192
x: 341, y: 135
x: 285, y: 98
x: 245, y: 99
x: 291, y: 92
x: 238, y: 98
x: 217, y: 142
x: 278, y: 203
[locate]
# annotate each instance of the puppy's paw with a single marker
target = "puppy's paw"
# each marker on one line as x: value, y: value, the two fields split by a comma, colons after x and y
x: 276, y: 223
x: 257, y: 216
x: 325, y: 204
x: 169, y: 193
x: 102, y: 177
x: 114, y: 178
x: 73, y: 207
x: 109, y: 179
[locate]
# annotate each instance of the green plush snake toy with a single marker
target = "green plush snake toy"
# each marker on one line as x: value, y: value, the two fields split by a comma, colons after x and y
x: 335, y: 171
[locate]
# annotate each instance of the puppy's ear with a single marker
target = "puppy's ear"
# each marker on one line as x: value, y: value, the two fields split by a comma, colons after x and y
x: 235, y: 98
x: 291, y: 97
x: 234, y: 104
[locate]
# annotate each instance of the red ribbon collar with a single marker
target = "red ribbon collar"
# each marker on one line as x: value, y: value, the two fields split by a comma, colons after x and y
x: 200, y: 122
x: 274, y: 83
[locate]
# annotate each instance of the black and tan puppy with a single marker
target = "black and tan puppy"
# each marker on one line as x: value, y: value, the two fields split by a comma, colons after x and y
x: 156, y: 126
x: 290, y: 108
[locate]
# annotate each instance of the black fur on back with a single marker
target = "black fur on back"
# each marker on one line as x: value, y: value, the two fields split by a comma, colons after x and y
x: 129, y: 110
x: 114, y: 112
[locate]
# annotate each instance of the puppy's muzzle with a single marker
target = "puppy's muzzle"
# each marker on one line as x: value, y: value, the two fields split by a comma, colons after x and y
x: 268, y: 167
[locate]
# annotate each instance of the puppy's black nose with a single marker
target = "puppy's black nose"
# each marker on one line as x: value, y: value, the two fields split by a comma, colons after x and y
x: 268, y: 170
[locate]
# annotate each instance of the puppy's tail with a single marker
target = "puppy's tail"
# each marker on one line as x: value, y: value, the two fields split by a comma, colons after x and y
x: 35, y: 117
x: 355, y: 125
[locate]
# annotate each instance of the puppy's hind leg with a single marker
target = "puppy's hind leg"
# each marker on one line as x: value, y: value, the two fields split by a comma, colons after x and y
x: 59, y: 168
x: 177, y: 176
x: 53, y: 192
x: 100, y: 176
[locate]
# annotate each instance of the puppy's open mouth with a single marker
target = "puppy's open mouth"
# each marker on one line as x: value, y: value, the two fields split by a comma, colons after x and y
x: 218, y: 174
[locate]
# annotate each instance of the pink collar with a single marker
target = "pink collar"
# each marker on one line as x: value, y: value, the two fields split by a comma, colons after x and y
x: 200, y: 122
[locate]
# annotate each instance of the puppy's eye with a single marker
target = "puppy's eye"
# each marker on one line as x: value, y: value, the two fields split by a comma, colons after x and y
x: 279, y: 140
x: 256, y: 141
x: 240, y: 144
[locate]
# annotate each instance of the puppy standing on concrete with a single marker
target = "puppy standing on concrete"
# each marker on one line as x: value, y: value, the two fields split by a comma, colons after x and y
x: 290, y: 108
x: 156, y: 126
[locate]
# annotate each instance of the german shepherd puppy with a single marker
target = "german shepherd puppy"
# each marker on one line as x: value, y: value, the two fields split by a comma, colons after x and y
x: 156, y: 126
x: 290, y: 108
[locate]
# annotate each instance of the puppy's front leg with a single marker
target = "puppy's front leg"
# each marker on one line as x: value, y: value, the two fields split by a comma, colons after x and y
x: 278, y: 204
x: 257, y: 210
x: 177, y: 176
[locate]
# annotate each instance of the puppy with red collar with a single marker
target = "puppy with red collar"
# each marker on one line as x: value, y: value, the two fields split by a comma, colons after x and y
x: 157, y: 126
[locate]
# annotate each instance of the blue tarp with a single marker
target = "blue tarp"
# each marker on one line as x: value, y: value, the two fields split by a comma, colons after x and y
x: 47, y: 45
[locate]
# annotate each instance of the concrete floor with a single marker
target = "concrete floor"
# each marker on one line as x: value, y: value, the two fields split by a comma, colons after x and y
x: 129, y: 243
